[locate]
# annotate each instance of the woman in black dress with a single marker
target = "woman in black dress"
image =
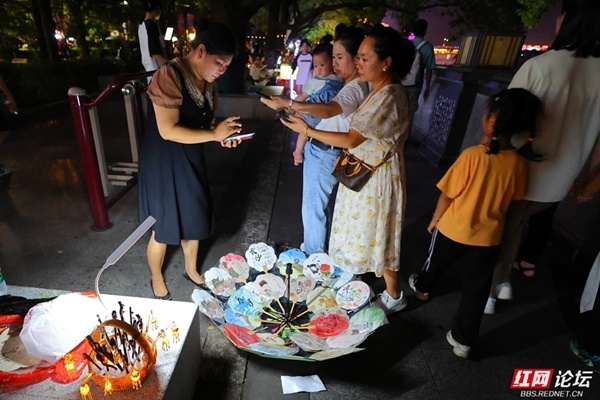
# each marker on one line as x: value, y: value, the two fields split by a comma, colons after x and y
x: 173, y: 185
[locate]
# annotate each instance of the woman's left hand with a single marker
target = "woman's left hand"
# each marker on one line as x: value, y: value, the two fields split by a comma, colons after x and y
x: 231, y: 143
x: 295, y: 123
x: 275, y: 102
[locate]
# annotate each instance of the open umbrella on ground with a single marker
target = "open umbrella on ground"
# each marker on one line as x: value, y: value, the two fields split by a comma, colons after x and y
x: 288, y: 305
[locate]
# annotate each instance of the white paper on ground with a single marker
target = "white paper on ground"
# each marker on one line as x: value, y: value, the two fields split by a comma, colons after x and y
x: 296, y: 384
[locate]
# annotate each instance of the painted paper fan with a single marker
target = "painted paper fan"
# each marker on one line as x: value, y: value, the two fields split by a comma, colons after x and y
x: 236, y: 266
x: 368, y: 319
x: 220, y: 282
x: 208, y: 305
x: 319, y: 267
x: 245, y: 301
x: 353, y: 295
x: 300, y: 287
x: 261, y: 257
x: 291, y: 256
x: 240, y: 335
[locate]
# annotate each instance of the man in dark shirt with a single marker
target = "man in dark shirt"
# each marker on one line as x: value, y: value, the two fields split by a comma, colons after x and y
x: 152, y: 46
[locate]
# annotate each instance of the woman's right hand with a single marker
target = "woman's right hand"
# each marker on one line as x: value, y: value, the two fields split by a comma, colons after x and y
x: 275, y: 102
x: 227, y: 127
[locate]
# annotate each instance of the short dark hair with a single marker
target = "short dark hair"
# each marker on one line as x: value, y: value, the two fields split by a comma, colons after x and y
x: 580, y: 29
x: 151, y: 5
x: 324, y: 48
x: 217, y: 38
x: 339, y: 27
x: 328, y: 38
x: 420, y: 27
x: 390, y: 43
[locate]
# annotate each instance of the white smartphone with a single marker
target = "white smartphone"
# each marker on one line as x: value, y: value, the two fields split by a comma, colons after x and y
x: 242, y: 136
x: 169, y: 34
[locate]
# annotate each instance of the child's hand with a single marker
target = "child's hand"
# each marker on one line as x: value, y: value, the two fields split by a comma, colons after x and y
x: 298, y: 156
x: 432, y: 225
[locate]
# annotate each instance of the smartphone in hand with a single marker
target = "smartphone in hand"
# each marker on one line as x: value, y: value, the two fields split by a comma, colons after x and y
x: 262, y: 94
x: 284, y: 114
x: 242, y: 136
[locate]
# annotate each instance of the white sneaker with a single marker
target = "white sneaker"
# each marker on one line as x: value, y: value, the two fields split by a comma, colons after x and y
x: 302, y: 248
x: 389, y: 304
x: 459, y: 349
x: 419, y: 295
x: 490, y: 306
x: 503, y: 291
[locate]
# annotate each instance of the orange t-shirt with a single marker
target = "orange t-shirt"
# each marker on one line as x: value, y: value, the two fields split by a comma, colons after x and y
x: 482, y: 186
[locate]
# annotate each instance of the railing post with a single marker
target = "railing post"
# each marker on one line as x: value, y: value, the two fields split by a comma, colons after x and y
x: 138, y: 101
x: 83, y: 128
x: 128, y: 92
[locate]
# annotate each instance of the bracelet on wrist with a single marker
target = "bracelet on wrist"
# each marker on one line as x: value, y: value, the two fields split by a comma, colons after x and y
x: 434, y: 217
x: 306, y: 132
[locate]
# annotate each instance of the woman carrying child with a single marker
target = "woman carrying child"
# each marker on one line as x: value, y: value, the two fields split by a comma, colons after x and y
x: 468, y: 220
x: 319, y: 157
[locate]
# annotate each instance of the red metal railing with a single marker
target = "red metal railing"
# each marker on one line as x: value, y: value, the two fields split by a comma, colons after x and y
x: 81, y: 105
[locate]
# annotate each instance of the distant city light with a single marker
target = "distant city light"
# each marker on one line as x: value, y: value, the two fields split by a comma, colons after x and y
x: 535, y: 47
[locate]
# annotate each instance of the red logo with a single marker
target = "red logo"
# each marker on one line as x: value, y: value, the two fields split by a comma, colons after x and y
x: 531, y: 378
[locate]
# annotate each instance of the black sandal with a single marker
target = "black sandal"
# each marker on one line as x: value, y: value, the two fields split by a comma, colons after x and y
x: 166, y: 297
x: 521, y: 269
x: 198, y: 285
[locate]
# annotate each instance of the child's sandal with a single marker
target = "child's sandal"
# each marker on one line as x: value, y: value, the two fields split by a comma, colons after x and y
x: 525, y: 272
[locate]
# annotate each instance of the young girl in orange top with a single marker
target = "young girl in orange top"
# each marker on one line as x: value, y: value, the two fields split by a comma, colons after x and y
x: 468, y: 220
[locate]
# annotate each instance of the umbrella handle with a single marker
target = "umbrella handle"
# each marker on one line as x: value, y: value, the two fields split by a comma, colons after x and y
x: 121, y: 250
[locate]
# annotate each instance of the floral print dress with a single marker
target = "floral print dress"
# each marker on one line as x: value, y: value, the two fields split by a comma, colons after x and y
x: 366, y: 228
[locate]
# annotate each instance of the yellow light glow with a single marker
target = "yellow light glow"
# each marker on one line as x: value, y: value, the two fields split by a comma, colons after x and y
x: 285, y: 72
x: 107, y: 386
x: 135, y: 379
x: 69, y: 362
x: 84, y: 391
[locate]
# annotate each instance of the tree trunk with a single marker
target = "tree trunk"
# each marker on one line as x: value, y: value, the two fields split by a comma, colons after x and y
x: 45, y: 26
x: 80, y: 30
x: 274, y: 9
x: 237, y: 17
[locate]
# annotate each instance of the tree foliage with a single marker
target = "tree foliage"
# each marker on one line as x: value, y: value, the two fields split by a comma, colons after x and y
x: 16, y: 20
x: 92, y: 21
x: 532, y: 10
x: 466, y: 15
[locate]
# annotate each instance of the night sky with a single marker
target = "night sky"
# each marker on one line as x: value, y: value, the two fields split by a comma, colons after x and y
x: 542, y: 33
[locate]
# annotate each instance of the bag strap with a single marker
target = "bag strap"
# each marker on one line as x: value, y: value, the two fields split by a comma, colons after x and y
x: 393, y: 150
x: 418, y: 47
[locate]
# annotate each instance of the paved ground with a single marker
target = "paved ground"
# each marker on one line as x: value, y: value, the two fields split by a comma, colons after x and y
x: 46, y: 241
